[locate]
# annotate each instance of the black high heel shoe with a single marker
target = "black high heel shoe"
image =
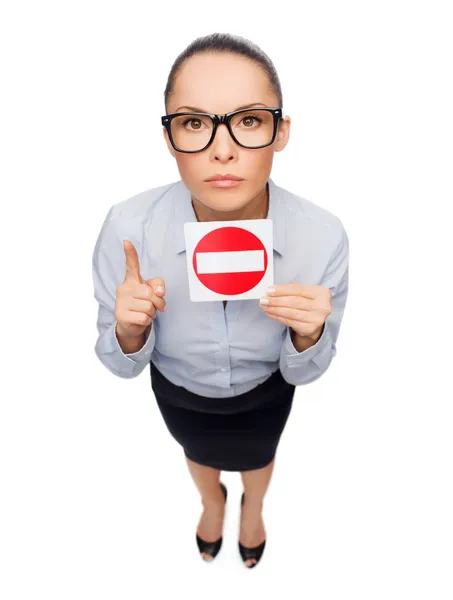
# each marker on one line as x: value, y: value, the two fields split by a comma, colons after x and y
x: 248, y: 553
x: 211, y: 548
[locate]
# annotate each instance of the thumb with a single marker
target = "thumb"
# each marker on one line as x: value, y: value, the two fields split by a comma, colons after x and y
x: 158, y: 285
x: 132, y: 263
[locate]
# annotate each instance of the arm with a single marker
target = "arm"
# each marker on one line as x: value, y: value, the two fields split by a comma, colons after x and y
x: 300, y: 368
x: 128, y: 358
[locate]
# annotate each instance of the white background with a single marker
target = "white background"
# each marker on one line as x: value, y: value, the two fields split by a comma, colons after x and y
x: 97, y: 501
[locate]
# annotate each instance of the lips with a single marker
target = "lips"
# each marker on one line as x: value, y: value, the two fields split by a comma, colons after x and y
x: 226, y: 177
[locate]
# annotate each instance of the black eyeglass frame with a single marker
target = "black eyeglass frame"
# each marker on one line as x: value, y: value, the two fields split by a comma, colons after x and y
x: 277, y: 113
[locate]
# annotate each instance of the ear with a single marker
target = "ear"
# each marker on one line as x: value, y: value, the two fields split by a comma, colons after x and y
x: 167, y: 140
x: 282, y: 136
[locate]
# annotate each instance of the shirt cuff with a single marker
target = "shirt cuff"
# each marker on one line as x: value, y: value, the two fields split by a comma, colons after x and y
x: 142, y: 355
x: 315, y: 352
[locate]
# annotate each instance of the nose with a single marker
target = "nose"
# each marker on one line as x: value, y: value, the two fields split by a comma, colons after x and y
x: 222, y: 127
x: 223, y: 141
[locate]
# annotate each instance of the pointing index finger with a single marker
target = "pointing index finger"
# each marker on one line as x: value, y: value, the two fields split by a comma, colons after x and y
x: 132, y: 263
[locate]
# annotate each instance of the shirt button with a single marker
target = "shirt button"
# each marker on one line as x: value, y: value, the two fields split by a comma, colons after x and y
x: 223, y: 369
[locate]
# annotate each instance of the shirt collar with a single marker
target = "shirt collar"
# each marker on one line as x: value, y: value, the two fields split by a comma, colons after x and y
x: 183, y: 212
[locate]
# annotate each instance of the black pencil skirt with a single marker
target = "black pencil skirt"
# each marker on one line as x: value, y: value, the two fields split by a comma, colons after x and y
x: 238, y: 433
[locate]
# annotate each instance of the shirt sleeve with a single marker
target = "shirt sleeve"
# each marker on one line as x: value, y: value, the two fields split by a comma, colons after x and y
x: 300, y: 368
x: 109, y: 268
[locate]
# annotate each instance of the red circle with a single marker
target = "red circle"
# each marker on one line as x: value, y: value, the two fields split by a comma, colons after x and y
x: 229, y: 239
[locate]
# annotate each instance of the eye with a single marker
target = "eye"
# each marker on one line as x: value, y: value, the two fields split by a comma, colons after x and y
x: 192, y: 120
x: 249, y: 118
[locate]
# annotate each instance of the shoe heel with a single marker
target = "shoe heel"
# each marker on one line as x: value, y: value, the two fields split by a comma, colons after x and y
x: 248, y: 553
x: 211, y: 548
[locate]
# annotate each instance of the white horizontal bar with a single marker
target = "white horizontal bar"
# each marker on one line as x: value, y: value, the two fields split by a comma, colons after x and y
x: 230, y: 262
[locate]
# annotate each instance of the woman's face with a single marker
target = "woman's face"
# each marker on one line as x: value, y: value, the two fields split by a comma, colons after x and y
x: 220, y: 84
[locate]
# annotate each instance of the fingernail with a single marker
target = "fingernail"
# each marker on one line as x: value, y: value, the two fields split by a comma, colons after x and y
x: 160, y: 288
x: 270, y: 289
x: 264, y: 300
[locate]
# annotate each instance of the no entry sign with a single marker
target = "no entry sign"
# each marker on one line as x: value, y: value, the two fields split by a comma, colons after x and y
x: 229, y: 260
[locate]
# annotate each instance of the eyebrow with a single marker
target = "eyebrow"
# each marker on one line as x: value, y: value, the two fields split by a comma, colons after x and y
x: 194, y: 109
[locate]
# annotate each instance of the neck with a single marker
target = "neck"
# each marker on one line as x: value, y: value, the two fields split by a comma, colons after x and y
x: 256, y: 209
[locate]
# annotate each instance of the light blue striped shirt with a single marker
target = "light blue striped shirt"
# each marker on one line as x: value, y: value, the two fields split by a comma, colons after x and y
x: 210, y: 350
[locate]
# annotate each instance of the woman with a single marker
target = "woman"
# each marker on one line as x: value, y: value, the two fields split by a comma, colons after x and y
x: 224, y: 375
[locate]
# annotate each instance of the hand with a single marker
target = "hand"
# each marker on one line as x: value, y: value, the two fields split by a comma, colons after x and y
x: 303, y: 307
x: 136, y: 300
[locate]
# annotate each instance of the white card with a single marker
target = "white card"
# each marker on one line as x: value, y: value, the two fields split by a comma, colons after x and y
x: 229, y: 260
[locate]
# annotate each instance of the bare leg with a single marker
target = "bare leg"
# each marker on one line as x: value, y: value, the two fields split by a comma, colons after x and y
x: 256, y: 482
x: 207, y: 481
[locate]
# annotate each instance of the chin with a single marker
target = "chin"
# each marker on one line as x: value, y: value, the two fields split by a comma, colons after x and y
x: 227, y: 205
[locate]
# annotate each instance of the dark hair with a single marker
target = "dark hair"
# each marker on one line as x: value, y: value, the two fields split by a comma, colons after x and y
x: 217, y: 43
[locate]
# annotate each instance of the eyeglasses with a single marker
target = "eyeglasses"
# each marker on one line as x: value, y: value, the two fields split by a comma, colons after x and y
x: 249, y: 127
